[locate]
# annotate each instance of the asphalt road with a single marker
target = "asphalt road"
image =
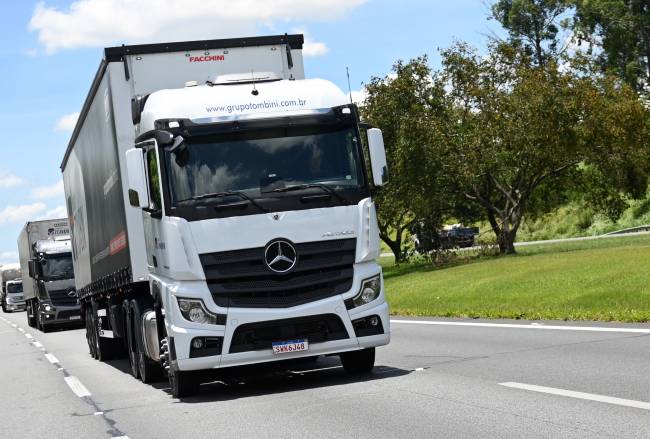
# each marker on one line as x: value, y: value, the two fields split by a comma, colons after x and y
x: 433, y: 380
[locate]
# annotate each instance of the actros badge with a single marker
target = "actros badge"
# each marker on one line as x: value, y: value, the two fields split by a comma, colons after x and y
x: 280, y: 256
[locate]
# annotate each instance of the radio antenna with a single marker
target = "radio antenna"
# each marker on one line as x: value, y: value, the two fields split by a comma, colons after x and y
x: 347, y: 72
x: 254, y: 92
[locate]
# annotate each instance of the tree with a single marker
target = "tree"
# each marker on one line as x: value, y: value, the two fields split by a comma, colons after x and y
x: 523, y: 130
x: 621, y: 28
x: 532, y: 24
x: 410, y: 108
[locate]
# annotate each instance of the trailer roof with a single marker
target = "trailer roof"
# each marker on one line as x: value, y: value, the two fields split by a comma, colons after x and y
x: 114, y: 54
x: 117, y: 54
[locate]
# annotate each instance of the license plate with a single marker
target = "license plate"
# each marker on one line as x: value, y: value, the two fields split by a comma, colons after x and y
x: 75, y: 317
x: 286, y: 347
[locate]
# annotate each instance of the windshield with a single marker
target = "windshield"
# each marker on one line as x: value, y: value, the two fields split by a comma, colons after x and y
x: 259, y: 162
x: 57, y: 267
x: 14, y: 288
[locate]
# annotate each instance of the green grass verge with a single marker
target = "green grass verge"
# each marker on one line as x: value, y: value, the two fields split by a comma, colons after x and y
x: 605, y: 279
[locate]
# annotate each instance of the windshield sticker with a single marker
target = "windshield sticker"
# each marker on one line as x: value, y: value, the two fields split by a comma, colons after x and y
x: 264, y: 105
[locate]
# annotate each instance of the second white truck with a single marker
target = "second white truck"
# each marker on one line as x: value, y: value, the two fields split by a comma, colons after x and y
x: 221, y: 211
x: 48, y: 276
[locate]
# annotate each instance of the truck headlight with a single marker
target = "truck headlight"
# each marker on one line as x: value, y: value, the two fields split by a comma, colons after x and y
x: 46, y: 307
x: 193, y: 310
x: 370, y: 290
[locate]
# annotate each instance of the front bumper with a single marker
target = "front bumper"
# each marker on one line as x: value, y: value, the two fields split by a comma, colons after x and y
x: 237, y: 317
x: 16, y: 306
x: 62, y: 315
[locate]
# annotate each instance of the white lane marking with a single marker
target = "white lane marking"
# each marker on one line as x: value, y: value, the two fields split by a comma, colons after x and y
x: 531, y: 326
x: 51, y: 358
x: 120, y: 437
x: 29, y: 336
x: 419, y: 369
x: 13, y: 325
x: 37, y: 344
x: 98, y: 413
x: 21, y: 329
x: 76, y: 386
x: 580, y: 395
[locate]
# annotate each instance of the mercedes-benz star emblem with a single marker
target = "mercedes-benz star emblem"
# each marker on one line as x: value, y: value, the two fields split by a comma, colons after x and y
x: 280, y: 256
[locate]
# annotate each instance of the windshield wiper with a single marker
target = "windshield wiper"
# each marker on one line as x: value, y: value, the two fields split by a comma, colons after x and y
x: 324, y: 187
x: 241, y: 195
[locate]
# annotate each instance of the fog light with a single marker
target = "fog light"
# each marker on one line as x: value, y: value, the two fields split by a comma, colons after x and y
x: 374, y: 321
x: 48, y: 308
x: 197, y: 343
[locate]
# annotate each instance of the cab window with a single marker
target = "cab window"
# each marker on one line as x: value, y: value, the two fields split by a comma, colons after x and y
x: 154, y: 179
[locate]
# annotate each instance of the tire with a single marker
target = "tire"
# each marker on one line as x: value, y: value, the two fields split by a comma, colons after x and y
x: 184, y: 383
x: 148, y: 369
x: 358, y: 362
x: 31, y: 321
x: 39, y: 321
x: 131, y: 347
x: 45, y: 328
x: 90, y: 333
x: 104, y: 348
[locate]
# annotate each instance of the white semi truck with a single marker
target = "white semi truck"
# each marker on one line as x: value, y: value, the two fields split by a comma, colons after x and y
x: 8, y: 272
x: 44, y: 249
x: 221, y: 211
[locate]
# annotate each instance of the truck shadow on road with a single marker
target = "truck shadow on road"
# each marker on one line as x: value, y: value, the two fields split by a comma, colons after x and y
x: 267, y: 379
x: 251, y: 381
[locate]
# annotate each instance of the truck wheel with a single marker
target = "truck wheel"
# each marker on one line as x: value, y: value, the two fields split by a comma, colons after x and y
x: 130, y: 342
x: 183, y: 383
x: 45, y: 328
x: 31, y: 315
x: 358, y: 362
x: 90, y: 335
x: 149, y: 370
x: 104, y: 349
x: 39, y: 321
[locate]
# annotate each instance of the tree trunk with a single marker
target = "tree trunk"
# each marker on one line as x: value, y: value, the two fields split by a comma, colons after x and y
x: 507, y: 243
x: 395, y: 245
x: 506, y: 232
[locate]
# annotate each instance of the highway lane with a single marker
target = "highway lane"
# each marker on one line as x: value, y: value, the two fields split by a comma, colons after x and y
x: 431, y: 381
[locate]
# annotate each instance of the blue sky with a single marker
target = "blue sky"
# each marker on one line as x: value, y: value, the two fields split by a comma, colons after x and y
x: 49, y: 51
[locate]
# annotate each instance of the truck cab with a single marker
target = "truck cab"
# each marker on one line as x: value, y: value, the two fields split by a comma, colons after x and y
x: 55, y: 302
x: 260, y: 227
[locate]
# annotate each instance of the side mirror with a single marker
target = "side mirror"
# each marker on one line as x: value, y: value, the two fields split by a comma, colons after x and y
x: 377, y: 157
x: 32, y: 268
x: 138, y: 194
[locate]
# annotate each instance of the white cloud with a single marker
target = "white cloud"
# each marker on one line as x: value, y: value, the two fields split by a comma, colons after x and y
x: 93, y: 23
x: 8, y: 257
x: 311, y: 47
x: 359, y: 96
x: 9, y: 180
x: 53, y: 191
x: 23, y: 212
x: 57, y: 212
x: 314, y: 48
x: 67, y: 122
